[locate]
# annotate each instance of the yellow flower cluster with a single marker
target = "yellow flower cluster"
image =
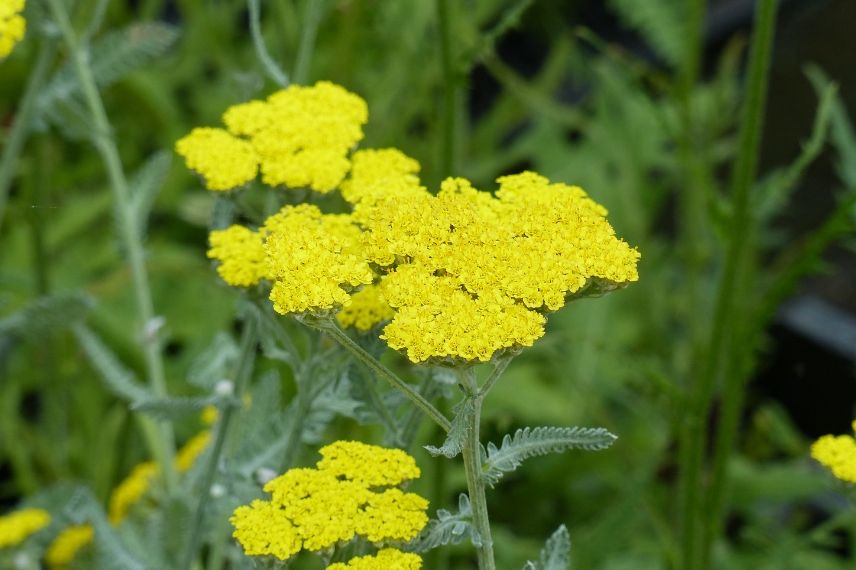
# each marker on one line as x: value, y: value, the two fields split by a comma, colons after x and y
x: 17, y: 526
x: 13, y: 26
x: 298, y: 137
x: 368, y: 307
x: 386, y: 559
x: 473, y: 273
x: 343, y: 497
x: 139, y: 481
x: 67, y: 544
x: 838, y: 453
x: 314, y: 259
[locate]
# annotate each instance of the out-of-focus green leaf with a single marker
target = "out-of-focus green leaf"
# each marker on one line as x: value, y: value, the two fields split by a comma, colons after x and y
x: 46, y: 315
x: 117, y: 378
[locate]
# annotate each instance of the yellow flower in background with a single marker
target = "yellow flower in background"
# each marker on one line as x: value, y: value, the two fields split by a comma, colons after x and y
x: 190, y: 451
x: 67, y: 544
x: 13, y: 26
x: 224, y: 161
x: 299, y: 137
x: 343, y: 497
x: 131, y: 490
x: 386, y: 559
x: 19, y: 525
x: 241, y: 254
x: 838, y: 454
x: 368, y: 307
x: 314, y: 259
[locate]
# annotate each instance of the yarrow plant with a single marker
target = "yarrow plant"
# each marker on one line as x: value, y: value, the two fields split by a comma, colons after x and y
x: 838, y: 454
x: 451, y: 279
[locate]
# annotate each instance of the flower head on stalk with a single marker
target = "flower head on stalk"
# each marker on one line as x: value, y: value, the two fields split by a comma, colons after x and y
x: 838, y: 454
x: 13, y: 26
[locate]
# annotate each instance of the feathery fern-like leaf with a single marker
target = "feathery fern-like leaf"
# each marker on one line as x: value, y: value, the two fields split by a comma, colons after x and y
x: 556, y: 554
x: 531, y: 442
x: 117, y: 378
x: 447, y: 528
x: 660, y: 22
x: 457, y: 435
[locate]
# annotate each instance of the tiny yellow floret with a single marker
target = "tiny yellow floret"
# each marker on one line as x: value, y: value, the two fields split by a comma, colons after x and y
x: 13, y: 26
x: 19, y: 525
x: 386, y: 559
x: 368, y: 465
x: 241, y: 254
x: 368, y: 308
x: 67, y: 544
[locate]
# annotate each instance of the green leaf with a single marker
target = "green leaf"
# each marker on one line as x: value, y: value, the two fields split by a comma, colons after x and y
x: 215, y: 363
x: 531, y: 442
x: 556, y: 554
x: 456, y: 437
x: 841, y: 132
x: 112, y: 57
x: 174, y: 408
x: 447, y: 528
x: 117, y: 379
x: 660, y: 22
x: 46, y: 315
x: 145, y: 185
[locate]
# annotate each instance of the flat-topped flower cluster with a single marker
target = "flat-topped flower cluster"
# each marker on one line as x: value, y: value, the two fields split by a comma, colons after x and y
x: 459, y: 275
x: 352, y: 492
x: 838, y: 454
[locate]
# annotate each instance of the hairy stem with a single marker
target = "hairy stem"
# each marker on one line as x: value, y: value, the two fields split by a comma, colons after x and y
x: 128, y: 228
x: 311, y: 21
x: 473, y: 468
x: 274, y: 72
x: 243, y: 373
x: 383, y: 372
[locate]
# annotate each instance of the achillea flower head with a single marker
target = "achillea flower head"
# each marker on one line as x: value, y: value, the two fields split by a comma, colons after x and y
x: 367, y: 308
x: 386, y: 559
x: 838, y: 454
x: 224, y: 161
x: 314, y: 259
x: 380, y: 173
x: 13, y: 26
x: 241, y: 254
x: 17, y: 526
x: 67, y: 544
x: 131, y: 490
x: 191, y: 450
x: 299, y: 137
x: 315, y: 509
x: 475, y: 273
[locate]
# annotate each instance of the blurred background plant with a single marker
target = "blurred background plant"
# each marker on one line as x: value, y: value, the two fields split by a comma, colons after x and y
x: 716, y: 370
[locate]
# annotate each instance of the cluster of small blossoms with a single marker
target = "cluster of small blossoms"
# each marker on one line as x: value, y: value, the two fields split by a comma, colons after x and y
x: 298, y: 137
x: 351, y: 492
x: 460, y: 275
x: 16, y: 527
x: 386, y: 559
x: 13, y: 26
x: 838, y: 453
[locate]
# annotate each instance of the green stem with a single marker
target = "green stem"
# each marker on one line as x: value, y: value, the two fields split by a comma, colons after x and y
x: 311, y: 21
x: 274, y: 72
x: 722, y: 342
x: 500, y: 366
x: 128, y: 228
x: 450, y: 86
x: 23, y: 119
x: 383, y: 372
x: 473, y: 468
x: 243, y: 373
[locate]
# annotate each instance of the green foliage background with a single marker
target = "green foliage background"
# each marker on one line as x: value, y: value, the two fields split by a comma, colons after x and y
x: 626, y: 361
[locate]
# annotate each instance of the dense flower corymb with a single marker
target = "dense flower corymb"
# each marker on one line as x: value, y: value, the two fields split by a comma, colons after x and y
x: 298, y: 137
x: 12, y: 25
x: 343, y: 497
x: 17, y: 526
x: 368, y: 308
x: 386, y: 559
x: 67, y: 544
x: 838, y: 453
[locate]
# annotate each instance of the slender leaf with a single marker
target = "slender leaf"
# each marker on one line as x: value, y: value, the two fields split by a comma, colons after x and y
x: 556, y: 554
x: 531, y: 442
x: 117, y: 378
x: 456, y: 437
x: 46, y: 315
x: 145, y: 185
x: 447, y: 528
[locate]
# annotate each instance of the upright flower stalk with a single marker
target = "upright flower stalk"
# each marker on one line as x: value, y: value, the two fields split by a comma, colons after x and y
x: 160, y: 435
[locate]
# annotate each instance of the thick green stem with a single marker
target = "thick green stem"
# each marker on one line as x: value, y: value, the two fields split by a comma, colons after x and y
x: 128, y: 228
x: 311, y: 21
x: 473, y: 468
x: 383, y: 372
x: 450, y: 87
x: 23, y: 119
x: 243, y: 373
x: 722, y: 343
